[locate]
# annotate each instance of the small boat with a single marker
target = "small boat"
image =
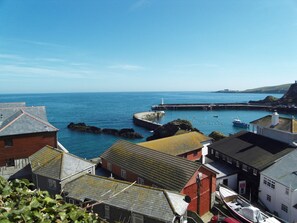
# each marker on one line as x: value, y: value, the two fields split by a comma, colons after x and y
x: 241, y: 209
x: 238, y: 123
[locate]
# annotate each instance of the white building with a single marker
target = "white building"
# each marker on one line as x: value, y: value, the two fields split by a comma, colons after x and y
x: 278, y: 187
x: 276, y: 127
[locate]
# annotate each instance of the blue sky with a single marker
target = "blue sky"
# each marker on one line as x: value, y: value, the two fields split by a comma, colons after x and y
x: 146, y: 45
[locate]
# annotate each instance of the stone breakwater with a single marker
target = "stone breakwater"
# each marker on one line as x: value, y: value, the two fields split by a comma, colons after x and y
x: 148, y: 119
x: 125, y: 133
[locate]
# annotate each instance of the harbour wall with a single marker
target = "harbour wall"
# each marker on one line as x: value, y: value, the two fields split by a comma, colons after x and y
x: 146, y: 119
x: 224, y: 106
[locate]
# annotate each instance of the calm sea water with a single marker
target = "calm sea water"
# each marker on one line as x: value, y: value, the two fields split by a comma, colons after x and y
x: 115, y: 110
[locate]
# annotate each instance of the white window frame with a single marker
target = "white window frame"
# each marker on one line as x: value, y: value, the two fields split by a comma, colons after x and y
x: 137, y: 218
x: 140, y: 180
x: 268, y: 197
x: 52, y: 184
x: 217, y: 155
x: 284, y: 208
x: 123, y: 173
x: 109, y: 166
x: 107, y: 211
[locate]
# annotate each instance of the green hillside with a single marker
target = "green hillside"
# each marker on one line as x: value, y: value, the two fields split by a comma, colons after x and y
x: 270, y: 89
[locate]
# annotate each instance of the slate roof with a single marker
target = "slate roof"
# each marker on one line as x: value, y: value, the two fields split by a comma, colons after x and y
x: 285, y: 124
x: 56, y: 164
x: 12, y: 104
x: 284, y: 171
x: 254, y: 150
x: 24, y: 120
x: 167, y: 171
x: 157, y: 203
x: 179, y: 144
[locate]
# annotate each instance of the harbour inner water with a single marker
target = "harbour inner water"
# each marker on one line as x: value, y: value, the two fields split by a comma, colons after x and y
x: 115, y: 110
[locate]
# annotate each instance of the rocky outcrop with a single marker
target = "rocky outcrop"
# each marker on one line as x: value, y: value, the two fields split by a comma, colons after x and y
x: 172, y: 128
x: 269, y: 100
x: 217, y: 135
x: 125, y: 132
x: 290, y: 97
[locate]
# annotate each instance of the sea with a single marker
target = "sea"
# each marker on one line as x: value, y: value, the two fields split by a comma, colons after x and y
x: 115, y: 110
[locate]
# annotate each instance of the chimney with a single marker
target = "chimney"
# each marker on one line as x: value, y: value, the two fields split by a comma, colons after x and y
x: 274, y: 118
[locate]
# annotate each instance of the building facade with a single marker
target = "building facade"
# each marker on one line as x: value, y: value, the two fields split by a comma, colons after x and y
x: 145, y: 166
x: 23, y: 131
x: 121, y: 201
x: 278, y: 188
x: 191, y: 145
x: 249, y: 153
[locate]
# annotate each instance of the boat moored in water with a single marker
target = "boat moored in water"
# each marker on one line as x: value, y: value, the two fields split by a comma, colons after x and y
x: 238, y: 123
x: 241, y: 209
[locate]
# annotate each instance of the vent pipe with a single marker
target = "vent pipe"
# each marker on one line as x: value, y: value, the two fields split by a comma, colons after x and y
x: 274, y: 119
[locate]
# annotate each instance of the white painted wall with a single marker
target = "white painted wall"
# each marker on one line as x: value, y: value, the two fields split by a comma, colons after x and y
x: 282, y: 136
x: 278, y: 197
x: 232, y: 181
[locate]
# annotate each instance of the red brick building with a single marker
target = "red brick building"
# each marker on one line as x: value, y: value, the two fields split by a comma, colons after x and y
x: 190, y: 145
x: 133, y: 162
x: 23, y: 131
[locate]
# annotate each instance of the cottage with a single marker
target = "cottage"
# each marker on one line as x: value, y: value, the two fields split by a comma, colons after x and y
x: 53, y: 168
x: 133, y: 162
x: 278, y: 187
x: 280, y: 128
x: 23, y: 131
x: 191, y: 145
x: 120, y: 201
x: 249, y: 153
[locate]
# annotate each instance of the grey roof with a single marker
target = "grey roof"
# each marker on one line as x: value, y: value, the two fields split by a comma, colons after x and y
x: 284, y: 170
x: 254, y: 150
x: 148, y: 201
x: 12, y: 104
x: 24, y: 120
x: 221, y: 168
x: 285, y: 124
x: 57, y: 164
x: 167, y: 171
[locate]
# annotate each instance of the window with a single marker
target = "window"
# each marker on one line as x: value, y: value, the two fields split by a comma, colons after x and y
x: 225, y: 182
x: 109, y: 166
x: 195, y: 153
x: 268, y: 198
x: 224, y: 157
x: 137, y: 218
x: 229, y: 160
x: 10, y: 162
x: 269, y: 183
x: 237, y: 164
x: 123, y: 173
x: 255, y: 172
x: 52, y: 184
x: 90, y: 171
x: 287, y: 191
x: 284, y: 208
x: 244, y: 167
x: 217, y: 154
x: 140, y: 180
x: 107, y: 215
x: 71, y: 201
x: 211, y: 151
x: 8, y: 142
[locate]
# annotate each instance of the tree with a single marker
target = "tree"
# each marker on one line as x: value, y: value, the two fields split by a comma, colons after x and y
x: 18, y: 203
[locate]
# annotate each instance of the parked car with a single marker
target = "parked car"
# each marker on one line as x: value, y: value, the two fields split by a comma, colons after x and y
x: 223, y: 219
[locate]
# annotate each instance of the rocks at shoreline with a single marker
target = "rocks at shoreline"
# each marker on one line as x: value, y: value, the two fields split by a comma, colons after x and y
x: 125, y: 132
x: 172, y: 128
